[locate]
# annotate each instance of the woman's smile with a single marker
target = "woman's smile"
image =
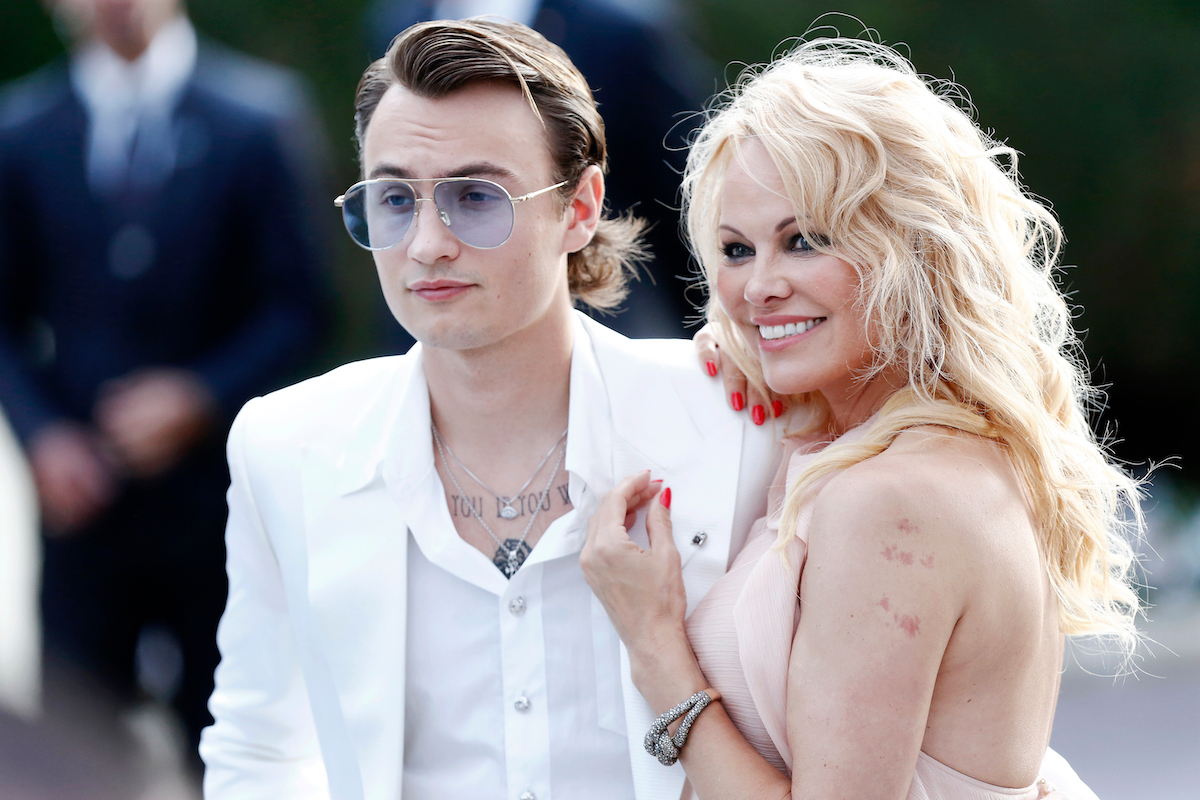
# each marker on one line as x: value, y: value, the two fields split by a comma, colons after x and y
x: 779, y: 331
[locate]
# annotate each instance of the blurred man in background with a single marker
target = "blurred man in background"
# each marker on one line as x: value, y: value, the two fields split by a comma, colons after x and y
x: 157, y: 268
x: 647, y: 78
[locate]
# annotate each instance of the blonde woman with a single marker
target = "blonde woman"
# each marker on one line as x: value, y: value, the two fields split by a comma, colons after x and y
x: 943, y: 516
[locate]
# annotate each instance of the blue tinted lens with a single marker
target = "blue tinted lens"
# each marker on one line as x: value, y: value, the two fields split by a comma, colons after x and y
x: 479, y: 213
x: 379, y: 213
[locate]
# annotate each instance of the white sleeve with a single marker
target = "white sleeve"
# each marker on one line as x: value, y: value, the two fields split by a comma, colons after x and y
x: 264, y: 742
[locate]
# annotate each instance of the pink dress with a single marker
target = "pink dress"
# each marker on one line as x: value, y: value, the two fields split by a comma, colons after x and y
x: 742, y: 633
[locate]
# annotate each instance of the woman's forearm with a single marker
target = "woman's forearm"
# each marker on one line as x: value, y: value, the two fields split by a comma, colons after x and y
x: 719, y: 762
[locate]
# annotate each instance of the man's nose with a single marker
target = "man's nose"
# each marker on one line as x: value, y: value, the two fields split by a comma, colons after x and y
x: 431, y: 236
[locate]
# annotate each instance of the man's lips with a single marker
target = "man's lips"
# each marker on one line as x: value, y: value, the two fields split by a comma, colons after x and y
x: 439, y: 289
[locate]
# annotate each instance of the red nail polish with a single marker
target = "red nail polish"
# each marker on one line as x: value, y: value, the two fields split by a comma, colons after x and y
x: 657, y: 480
x: 777, y: 408
x: 758, y: 414
x: 711, y: 366
x: 665, y: 497
x: 738, y: 401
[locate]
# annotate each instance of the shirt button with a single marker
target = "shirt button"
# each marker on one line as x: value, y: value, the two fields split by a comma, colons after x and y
x: 527, y: 796
x: 521, y: 704
x: 516, y: 606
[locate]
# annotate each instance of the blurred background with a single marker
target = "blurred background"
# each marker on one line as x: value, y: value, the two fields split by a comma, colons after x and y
x: 1101, y: 97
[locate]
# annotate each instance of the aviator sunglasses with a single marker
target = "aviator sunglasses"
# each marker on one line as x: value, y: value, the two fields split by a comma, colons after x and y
x: 379, y: 212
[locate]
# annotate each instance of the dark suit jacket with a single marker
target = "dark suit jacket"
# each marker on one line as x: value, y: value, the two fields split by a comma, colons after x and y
x: 215, y: 270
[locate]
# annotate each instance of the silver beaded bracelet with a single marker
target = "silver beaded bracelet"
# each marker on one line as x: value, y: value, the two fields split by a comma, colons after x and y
x: 662, y: 745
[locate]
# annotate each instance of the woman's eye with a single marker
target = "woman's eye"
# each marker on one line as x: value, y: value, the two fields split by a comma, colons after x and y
x: 735, y: 251
x: 804, y: 244
x: 798, y: 242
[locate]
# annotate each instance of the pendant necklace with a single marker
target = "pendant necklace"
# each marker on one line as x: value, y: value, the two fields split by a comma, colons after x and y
x: 507, y: 511
x: 516, y: 549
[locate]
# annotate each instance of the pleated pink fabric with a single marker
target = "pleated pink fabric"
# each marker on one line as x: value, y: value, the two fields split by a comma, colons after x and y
x: 742, y: 633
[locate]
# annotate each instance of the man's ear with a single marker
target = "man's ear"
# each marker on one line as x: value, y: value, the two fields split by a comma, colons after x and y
x: 583, y: 215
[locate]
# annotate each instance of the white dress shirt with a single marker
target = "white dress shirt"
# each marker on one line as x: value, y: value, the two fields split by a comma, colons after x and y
x: 130, y: 103
x: 513, y: 685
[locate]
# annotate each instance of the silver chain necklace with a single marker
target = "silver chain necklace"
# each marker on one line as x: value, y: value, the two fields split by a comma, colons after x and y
x: 517, y: 550
x: 508, y: 512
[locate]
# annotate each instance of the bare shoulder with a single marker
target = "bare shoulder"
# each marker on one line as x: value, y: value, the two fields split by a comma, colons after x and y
x: 936, y: 499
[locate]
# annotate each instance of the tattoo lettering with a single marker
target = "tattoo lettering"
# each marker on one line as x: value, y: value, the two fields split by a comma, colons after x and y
x: 524, y: 504
x: 529, y: 502
x: 463, y: 506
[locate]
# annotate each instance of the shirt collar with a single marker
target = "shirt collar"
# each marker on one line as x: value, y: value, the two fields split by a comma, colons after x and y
x: 589, y: 443
x: 406, y: 446
x: 393, y: 430
x: 110, y: 84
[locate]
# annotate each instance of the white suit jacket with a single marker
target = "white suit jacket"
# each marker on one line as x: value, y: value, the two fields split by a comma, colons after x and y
x: 309, y: 699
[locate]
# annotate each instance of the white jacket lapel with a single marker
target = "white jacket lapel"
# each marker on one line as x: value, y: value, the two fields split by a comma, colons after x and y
x: 675, y: 424
x: 356, y: 538
x: 357, y: 550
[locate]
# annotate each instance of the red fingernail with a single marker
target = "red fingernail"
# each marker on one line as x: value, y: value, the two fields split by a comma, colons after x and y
x: 665, y: 497
x: 758, y: 414
x: 657, y: 480
x: 738, y: 401
x: 711, y: 366
x: 777, y: 408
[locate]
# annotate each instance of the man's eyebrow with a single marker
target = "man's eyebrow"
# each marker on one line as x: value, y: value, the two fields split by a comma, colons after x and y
x: 478, y: 169
x: 388, y: 171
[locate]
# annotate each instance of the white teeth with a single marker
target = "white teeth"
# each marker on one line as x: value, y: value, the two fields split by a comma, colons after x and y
x: 791, y: 329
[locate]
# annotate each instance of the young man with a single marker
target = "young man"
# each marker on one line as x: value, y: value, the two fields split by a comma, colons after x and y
x: 407, y: 616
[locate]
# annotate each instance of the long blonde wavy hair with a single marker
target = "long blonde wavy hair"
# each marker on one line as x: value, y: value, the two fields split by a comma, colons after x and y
x: 957, y: 264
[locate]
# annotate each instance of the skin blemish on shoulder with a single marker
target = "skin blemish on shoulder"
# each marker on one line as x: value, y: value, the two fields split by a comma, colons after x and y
x: 911, y: 624
x: 884, y: 604
x: 927, y: 561
x: 894, y: 553
x: 906, y: 527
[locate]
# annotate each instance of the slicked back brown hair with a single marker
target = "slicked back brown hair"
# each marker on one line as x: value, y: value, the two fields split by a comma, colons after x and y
x: 436, y: 59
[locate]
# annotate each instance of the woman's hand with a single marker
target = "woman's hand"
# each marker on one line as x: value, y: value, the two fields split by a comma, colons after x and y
x: 642, y: 590
x: 738, y: 393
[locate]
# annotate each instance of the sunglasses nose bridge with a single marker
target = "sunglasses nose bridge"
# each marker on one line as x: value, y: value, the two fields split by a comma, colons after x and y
x: 441, y: 215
